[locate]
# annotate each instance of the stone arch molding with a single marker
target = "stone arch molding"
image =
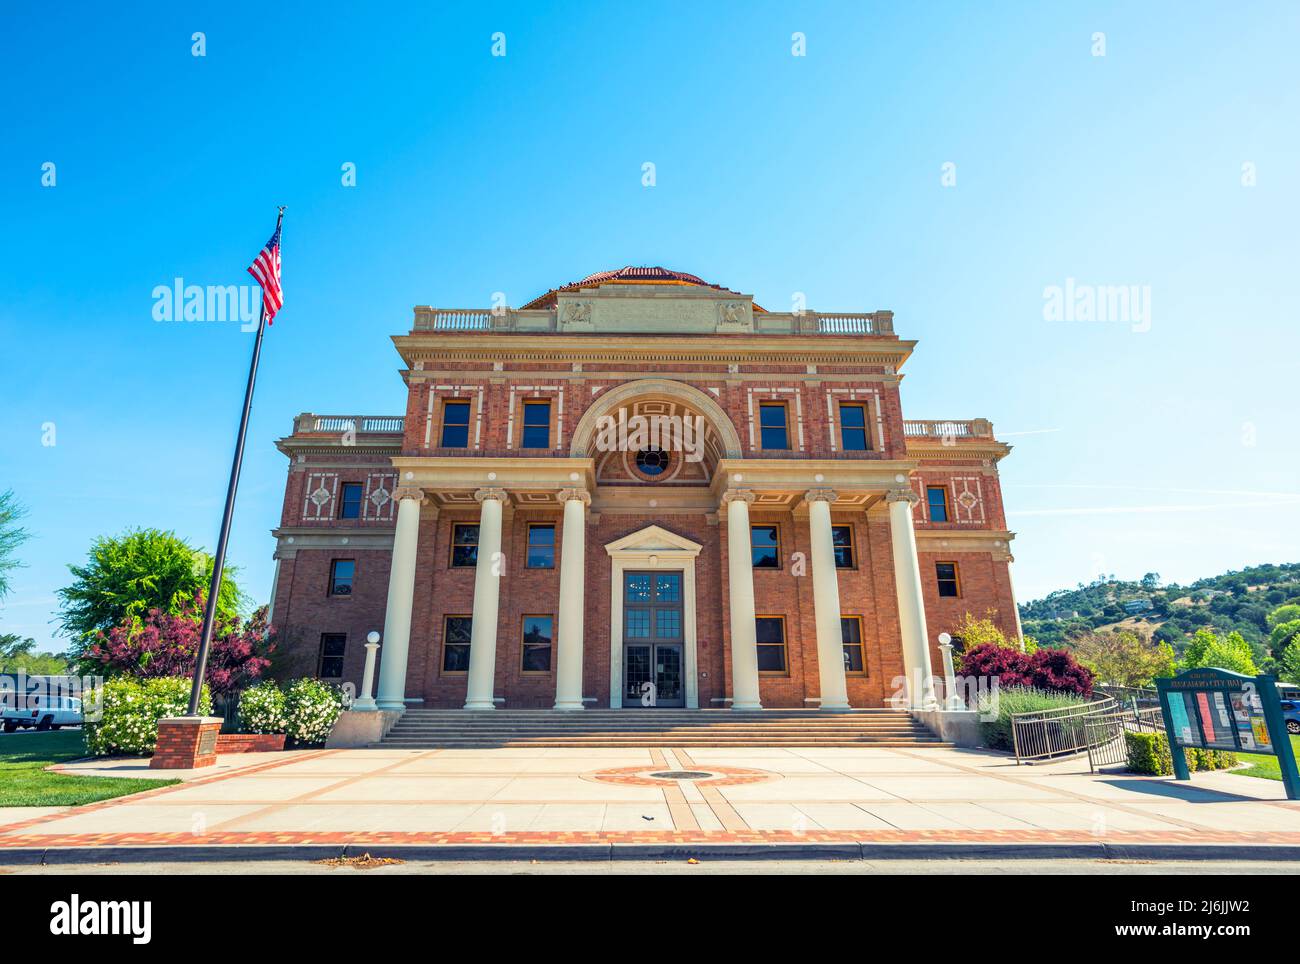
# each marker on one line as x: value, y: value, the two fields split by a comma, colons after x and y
x: 609, y: 402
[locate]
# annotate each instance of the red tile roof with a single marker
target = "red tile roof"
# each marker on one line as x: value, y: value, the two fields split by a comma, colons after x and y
x: 629, y: 275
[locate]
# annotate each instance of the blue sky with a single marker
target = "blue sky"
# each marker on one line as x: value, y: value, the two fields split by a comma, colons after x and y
x: 1167, y: 447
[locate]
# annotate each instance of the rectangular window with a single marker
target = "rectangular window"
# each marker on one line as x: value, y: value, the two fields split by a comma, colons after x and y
x: 772, y: 425
x: 455, y: 643
x: 350, y: 503
x: 341, y: 572
x: 769, y: 633
x: 936, y: 497
x: 855, y: 658
x: 853, y: 427
x: 537, y: 644
x: 765, y: 547
x: 541, y: 547
x: 455, y: 424
x: 945, y: 574
x: 842, y: 544
x: 537, y: 425
x: 464, y: 546
x: 332, y: 648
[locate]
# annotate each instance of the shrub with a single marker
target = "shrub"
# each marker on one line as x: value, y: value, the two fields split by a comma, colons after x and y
x: 995, y: 733
x: 131, y: 710
x: 1057, y: 670
x: 1149, y: 753
x: 310, y: 709
x: 165, y: 644
x: 262, y: 709
x: 1044, y: 669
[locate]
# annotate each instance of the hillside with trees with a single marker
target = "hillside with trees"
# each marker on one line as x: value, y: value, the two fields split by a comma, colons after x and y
x: 1260, y: 605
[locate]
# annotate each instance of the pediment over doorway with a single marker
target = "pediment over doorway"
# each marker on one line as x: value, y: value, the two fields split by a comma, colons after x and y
x: 653, y: 538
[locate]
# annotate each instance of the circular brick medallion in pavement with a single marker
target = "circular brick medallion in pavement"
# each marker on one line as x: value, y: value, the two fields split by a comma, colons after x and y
x: 649, y: 776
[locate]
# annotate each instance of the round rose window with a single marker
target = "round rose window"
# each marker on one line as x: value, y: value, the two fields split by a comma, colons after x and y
x: 652, y: 461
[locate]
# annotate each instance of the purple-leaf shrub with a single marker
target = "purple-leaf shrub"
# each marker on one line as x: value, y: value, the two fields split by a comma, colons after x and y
x: 166, y: 644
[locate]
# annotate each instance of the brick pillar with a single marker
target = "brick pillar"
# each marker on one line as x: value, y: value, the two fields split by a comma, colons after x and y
x: 186, y: 742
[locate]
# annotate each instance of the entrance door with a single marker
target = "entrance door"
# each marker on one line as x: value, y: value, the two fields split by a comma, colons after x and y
x: 652, y: 639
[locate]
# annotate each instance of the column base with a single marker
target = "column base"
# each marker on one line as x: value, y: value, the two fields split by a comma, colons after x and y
x: 569, y: 705
x: 364, y: 705
x: 479, y: 705
x: 747, y: 706
x: 391, y: 706
x: 840, y: 707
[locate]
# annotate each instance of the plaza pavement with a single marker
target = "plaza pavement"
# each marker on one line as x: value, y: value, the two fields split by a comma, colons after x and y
x: 596, y: 803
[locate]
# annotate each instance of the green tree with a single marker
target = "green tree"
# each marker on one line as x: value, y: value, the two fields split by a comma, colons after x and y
x: 12, y: 536
x: 1288, y: 664
x: 1123, y: 658
x: 126, y: 576
x: 1231, y: 652
x: 16, y: 656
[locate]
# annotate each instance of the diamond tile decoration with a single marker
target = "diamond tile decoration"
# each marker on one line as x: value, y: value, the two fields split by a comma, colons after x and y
x: 379, y: 497
x: 320, y: 496
x: 967, y: 499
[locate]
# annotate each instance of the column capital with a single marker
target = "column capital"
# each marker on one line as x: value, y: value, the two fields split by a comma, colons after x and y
x: 820, y: 495
x: 902, y: 495
x: 574, y: 494
x: 737, y: 495
x: 409, y: 492
x: 482, y: 495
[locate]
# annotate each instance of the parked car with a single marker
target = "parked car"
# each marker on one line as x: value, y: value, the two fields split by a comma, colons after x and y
x: 1291, y: 714
x: 44, y: 713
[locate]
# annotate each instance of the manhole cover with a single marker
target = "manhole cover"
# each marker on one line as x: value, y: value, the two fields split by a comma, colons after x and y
x: 682, y: 775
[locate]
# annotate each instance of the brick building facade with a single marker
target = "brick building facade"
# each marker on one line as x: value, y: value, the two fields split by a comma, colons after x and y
x: 640, y: 489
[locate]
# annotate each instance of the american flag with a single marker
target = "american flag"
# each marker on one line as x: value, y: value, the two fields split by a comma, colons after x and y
x: 266, y: 269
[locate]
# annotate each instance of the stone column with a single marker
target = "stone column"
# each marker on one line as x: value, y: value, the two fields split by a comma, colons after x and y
x: 740, y: 583
x: 401, y: 592
x: 911, y: 607
x: 573, y: 546
x: 826, y: 601
x: 1011, y: 586
x: 487, y: 592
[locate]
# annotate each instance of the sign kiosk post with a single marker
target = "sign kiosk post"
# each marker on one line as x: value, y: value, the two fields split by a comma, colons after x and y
x: 1215, y: 709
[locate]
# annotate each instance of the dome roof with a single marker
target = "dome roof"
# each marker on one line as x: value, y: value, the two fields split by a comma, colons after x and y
x: 628, y: 275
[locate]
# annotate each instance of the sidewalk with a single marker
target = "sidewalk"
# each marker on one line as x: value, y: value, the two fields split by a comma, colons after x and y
x: 603, y: 802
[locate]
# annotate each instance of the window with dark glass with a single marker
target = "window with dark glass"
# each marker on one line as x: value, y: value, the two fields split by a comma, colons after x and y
x: 769, y: 634
x: 455, y: 424
x: 855, y: 660
x: 936, y: 497
x: 842, y: 544
x: 537, y: 425
x: 350, y: 503
x: 455, y: 644
x: 764, y: 547
x: 332, y: 648
x: 853, y: 427
x: 772, y: 425
x: 341, y: 572
x: 537, y: 644
x: 464, y: 545
x: 541, y: 547
x: 652, y: 461
x: 946, y: 575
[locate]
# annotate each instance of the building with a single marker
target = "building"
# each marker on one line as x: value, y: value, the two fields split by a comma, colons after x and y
x: 640, y: 489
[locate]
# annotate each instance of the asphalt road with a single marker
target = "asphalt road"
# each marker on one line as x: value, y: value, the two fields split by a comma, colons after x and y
x: 707, y: 867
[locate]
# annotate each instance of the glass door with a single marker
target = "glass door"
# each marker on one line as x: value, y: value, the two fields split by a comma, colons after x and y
x: 652, y: 640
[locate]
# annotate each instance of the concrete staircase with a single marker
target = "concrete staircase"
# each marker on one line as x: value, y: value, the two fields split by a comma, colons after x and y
x: 650, y: 728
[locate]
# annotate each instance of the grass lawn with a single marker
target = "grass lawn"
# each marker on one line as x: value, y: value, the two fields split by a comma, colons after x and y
x: 1262, y: 765
x: 24, y: 782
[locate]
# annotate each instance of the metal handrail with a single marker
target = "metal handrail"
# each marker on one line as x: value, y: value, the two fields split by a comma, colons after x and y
x: 1046, y: 734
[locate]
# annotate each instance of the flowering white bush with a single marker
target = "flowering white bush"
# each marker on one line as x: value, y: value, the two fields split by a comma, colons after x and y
x: 310, y: 709
x: 132, y: 708
x: 262, y: 709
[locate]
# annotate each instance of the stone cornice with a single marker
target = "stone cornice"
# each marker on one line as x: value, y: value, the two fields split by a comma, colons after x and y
x: 994, y: 541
